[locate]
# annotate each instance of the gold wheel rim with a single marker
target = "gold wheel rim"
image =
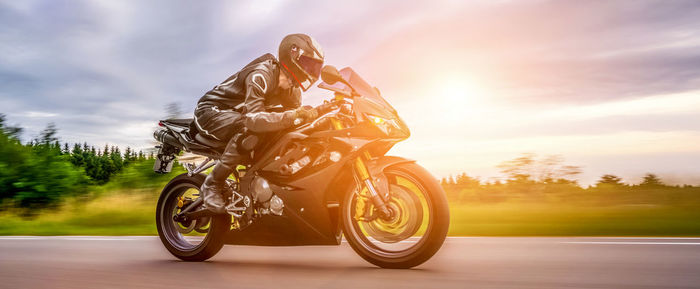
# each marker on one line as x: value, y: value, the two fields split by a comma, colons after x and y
x: 408, y: 203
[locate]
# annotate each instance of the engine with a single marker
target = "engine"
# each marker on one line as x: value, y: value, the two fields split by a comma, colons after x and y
x: 265, y: 197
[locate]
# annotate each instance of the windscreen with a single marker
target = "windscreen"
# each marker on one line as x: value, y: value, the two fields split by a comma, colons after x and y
x: 363, y: 88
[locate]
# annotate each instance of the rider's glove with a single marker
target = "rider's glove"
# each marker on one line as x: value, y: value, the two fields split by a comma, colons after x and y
x: 306, y: 114
x: 327, y: 106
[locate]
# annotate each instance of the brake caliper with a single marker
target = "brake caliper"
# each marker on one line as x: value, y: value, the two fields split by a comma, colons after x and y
x: 361, y: 212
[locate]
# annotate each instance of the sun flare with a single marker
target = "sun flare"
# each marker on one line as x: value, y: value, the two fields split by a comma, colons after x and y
x: 460, y: 95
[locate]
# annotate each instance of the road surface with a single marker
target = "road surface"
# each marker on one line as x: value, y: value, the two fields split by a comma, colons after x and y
x: 142, y: 262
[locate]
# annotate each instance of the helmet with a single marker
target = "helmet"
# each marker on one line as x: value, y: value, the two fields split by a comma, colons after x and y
x: 302, y: 57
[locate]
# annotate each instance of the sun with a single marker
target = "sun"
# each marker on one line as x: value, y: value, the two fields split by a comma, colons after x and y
x: 461, y: 91
x: 459, y: 94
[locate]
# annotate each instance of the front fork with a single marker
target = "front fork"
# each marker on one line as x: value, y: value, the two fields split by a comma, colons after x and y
x: 363, y: 176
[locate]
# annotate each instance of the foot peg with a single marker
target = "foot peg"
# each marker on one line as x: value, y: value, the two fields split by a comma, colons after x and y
x: 238, y: 205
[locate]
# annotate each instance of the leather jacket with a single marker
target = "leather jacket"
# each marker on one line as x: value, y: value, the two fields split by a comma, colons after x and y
x: 254, y: 92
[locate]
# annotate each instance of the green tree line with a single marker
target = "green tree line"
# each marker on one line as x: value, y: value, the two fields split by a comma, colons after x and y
x: 42, y: 172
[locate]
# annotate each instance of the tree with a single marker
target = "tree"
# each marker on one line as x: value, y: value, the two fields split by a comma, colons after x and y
x: 117, y: 159
x: 48, y: 135
x: 56, y: 147
x: 520, y: 168
x: 465, y: 181
x: 77, y: 158
x: 549, y: 169
x: 610, y: 180
x: 128, y: 158
x: 651, y: 180
x: 11, y: 132
x: 36, y: 175
x: 40, y: 173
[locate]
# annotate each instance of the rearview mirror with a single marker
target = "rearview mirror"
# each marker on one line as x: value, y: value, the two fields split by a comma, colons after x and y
x: 330, y: 74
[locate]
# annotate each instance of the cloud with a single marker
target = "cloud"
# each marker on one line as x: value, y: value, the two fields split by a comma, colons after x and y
x: 554, y: 51
x: 39, y: 114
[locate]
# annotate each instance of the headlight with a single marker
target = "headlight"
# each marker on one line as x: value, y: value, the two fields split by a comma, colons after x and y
x: 385, y: 125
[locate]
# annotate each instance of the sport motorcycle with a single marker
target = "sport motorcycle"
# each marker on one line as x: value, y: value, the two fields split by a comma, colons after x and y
x: 311, y: 184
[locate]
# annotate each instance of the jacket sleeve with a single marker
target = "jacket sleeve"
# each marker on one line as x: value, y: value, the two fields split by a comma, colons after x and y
x: 257, y: 119
x: 293, y: 99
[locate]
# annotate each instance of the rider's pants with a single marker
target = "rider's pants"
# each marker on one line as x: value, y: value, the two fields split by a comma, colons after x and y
x: 221, y: 125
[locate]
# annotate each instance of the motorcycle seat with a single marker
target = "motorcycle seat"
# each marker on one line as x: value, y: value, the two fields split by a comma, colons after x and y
x: 208, y: 141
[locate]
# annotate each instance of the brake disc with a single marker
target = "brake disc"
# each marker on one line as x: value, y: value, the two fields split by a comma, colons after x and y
x: 407, y: 219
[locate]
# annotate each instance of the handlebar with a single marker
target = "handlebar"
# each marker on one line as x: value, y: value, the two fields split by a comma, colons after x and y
x: 322, y: 109
x: 328, y: 106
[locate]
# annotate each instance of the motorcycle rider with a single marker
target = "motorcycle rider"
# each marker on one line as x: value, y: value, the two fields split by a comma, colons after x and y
x: 248, y: 101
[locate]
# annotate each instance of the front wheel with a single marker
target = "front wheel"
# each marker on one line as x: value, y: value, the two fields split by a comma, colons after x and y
x: 417, y: 228
x: 195, y: 240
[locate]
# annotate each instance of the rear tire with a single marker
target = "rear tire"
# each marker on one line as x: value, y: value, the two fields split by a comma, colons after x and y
x: 172, y: 239
x: 426, y: 246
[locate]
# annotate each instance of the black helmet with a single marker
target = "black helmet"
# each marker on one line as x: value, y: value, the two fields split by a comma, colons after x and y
x: 302, y: 57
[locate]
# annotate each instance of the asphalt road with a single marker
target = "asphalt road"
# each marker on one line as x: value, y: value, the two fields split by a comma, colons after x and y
x: 142, y: 262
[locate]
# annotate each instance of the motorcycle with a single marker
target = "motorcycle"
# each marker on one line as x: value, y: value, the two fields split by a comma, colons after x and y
x: 309, y: 185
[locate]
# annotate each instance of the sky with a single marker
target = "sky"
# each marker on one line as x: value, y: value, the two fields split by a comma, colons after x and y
x: 612, y: 86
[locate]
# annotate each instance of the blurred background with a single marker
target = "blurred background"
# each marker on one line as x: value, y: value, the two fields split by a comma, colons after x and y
x: 540, y: 117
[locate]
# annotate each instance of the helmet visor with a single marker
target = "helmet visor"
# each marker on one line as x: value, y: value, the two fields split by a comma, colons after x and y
x: 311, y: 66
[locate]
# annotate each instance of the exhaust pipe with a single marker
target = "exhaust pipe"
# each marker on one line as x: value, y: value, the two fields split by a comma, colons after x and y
x: 164, y: 136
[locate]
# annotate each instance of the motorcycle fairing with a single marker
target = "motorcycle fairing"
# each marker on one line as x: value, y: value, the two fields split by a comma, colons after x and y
x: 312, y: 208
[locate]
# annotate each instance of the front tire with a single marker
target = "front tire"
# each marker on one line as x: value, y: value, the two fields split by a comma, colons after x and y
x: 409, y: 240
x: 171, y: 232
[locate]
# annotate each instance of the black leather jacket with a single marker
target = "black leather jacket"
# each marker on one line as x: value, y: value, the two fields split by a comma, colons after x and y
x: 254, y: 92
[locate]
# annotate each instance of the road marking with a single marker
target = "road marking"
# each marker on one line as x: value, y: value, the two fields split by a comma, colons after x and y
x: 622, y: 240
x: 69, y: 238
x: 18, y: 238
x: 95, y: 239
x: 634, y: 243
x: 638, y: 238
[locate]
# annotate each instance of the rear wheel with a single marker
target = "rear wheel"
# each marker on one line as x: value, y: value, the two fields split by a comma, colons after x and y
x: 195, y: 240
x: 417, y: 228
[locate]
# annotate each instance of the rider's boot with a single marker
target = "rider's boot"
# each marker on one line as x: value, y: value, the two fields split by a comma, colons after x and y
x: 214, y: 189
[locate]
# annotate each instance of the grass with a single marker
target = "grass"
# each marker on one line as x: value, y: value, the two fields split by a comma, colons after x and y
x: 121, y: 213
x: 132, y: 212
x: 513, y: 219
